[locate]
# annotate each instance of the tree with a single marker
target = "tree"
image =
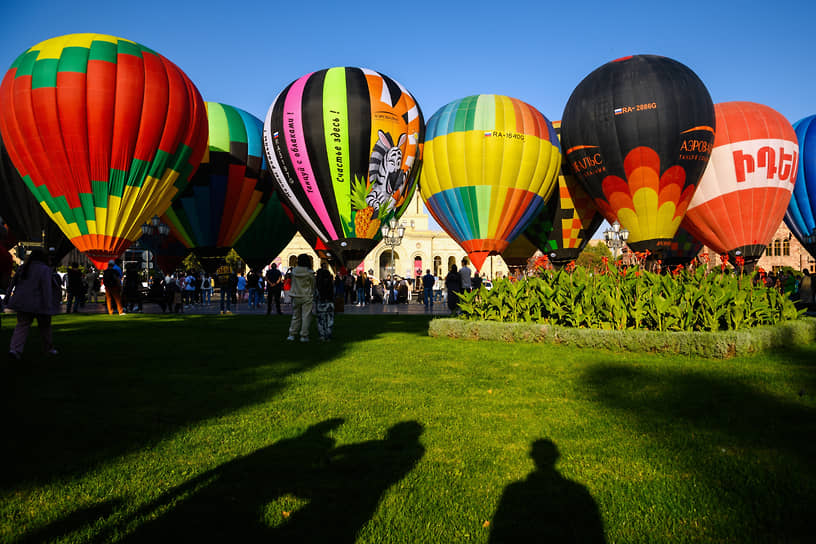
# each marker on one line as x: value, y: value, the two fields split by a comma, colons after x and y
x: 590, y: 257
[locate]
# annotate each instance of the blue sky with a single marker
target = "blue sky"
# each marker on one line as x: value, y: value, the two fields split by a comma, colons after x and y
x: 244, y: 53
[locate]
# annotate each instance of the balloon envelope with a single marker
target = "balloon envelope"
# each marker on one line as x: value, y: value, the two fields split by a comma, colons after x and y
x: 637, y: 133
x: 800, y: 216
x: 228, y: 190
x: 565, y: 225
x: 742, y: 196
x: 683, y: 249
x: 23, y: 215
x: 490, y: 164
x: 104, y: 132
x: 344, y: 145
x: 267, y: 235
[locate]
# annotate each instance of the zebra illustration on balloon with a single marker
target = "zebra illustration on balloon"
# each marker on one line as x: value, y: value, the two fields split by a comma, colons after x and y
x: 385, y: 169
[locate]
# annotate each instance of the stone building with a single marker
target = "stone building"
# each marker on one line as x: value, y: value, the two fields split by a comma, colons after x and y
x: 421, y: 249
x: 785, y: 250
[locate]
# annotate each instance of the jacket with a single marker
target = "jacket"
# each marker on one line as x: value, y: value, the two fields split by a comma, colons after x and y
x: 303, y: 283
x: 39, y: 293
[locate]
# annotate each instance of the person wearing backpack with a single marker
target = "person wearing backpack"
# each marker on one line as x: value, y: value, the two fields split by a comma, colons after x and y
x: 112, y: 278
x: 325, y: 302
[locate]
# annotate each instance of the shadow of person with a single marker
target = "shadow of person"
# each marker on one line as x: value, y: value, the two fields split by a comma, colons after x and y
x: 545, y: 506
x: 352, y: 486
x: 227, y: 504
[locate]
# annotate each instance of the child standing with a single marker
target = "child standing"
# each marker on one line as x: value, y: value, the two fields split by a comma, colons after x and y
x: 325, y: 302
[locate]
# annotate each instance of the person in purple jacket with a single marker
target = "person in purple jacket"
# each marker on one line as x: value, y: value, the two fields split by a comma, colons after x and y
x: 37, y: 294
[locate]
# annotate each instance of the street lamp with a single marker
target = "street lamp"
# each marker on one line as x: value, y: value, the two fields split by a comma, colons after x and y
x: 152, y: 233
x: 615, y: 238
x: 392, y: 234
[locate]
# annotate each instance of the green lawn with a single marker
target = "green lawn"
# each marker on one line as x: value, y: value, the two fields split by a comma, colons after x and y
x: 206, y: 428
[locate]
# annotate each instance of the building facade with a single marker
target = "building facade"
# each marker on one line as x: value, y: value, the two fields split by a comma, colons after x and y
x: 421, y: 249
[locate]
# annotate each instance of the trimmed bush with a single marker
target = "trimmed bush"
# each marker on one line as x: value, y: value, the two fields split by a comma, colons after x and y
x: 718, y: 345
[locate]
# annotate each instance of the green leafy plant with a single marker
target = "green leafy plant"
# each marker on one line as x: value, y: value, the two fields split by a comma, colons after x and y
x: 613, y: 298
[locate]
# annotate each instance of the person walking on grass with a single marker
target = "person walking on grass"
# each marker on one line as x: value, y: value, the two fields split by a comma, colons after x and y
x: 302, y: 294
x: 36, y: 293
x: 325, y: 302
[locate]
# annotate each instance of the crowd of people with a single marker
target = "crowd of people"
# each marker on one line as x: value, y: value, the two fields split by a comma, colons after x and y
x: 37, y: 291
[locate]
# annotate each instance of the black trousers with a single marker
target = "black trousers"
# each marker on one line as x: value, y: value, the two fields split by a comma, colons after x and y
x: 273, y: 293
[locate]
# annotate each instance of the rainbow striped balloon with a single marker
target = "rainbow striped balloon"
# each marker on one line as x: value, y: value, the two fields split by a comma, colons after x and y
x: 490, y: 164
x: 104, y: 132
x: 228, y: 191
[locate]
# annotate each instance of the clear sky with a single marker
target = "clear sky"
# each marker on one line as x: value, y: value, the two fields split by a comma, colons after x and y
x: 243, y: 53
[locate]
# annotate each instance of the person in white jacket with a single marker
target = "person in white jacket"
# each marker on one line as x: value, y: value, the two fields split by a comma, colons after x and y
x: 302, y: 294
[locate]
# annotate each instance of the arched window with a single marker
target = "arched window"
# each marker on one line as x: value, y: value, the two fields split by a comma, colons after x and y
x: 786, y: 248
x: 451, y: 262
x: 437, y: 269
x: 769, y: 250
x: 777, y: 248
x: 292, y: 261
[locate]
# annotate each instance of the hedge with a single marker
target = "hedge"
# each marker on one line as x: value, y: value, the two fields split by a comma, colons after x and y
x: 719, y: 344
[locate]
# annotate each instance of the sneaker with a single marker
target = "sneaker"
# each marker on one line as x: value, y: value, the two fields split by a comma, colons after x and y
x: 53, y: 352
x: 290, y: 338
x: 15, y: 355
x: 304, y: 339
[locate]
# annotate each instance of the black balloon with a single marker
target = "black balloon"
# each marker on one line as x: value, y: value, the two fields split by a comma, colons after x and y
x: 25, y: 218
x: 638, y: 133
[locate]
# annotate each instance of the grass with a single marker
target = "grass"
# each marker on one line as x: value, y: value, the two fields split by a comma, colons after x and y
x: 206, y: 428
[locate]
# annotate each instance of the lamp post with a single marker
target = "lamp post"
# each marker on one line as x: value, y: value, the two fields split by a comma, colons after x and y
x: 152, y: 233
x: 615, y: 238
x: 392, y: 234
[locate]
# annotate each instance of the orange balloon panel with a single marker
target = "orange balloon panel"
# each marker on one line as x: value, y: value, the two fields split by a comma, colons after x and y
x: 742, y: 196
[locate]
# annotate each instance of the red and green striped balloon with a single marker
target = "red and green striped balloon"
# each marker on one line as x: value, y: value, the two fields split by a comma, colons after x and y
x: 104, y: 132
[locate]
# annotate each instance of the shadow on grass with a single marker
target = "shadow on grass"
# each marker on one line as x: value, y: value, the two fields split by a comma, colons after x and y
x: 125, y: 383
x: 324, y: 493
x: 752, y: 450
x: 545, y: 506
x: 75, y: 521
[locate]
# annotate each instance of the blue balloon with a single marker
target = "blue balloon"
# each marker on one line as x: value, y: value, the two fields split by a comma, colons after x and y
x: 800, y: 217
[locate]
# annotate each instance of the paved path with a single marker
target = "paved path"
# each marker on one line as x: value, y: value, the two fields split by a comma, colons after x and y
x: 412, y: 308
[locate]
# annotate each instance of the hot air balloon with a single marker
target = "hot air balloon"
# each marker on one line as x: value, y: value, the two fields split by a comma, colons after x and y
x: 565, y: 225
x: 104, y: 132
x: 169, y: 252
x: 229, y: 189
x: 344, y: 145
x: 28, y: 222
x: 267, y: 235
x: 742, y: 196
x: 637, y: 133
x: 683, y: 249
x: 490, y: 164
x: 800, y: 217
